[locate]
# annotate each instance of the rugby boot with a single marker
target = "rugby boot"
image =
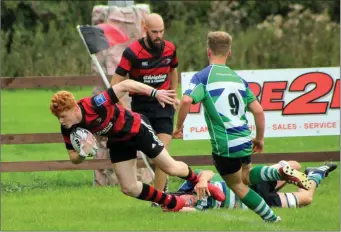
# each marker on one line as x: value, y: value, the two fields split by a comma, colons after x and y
x: 324, y: 169
x: 295, y: 177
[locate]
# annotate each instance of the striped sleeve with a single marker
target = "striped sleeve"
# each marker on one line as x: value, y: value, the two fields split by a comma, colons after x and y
x: 196, y: 90
x: 125, y: 65
x: 250, y: 97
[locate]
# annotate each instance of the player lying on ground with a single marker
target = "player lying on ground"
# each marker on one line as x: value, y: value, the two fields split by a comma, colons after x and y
x: 267, y: 190
x: 127, y: 132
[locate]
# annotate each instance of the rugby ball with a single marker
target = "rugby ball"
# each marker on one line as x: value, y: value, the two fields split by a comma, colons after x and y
x: 79, y: 134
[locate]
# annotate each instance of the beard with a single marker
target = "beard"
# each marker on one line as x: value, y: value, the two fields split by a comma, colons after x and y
x: 154, y: 46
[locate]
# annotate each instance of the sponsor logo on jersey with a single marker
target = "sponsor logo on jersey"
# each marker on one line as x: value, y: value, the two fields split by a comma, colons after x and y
x: 150, y: 79
x: 100, y: 99
x: 105, y: 129
x: 166, y: 61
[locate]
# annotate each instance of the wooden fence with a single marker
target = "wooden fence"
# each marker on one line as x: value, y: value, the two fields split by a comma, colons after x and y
x: 61, y: 165
x: 199, y: 160
x: 49, y: 82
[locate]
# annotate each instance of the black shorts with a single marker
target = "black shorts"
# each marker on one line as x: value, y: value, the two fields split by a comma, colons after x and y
x: 226, y: 165
x: 145, y: 141
x: 161, y: 119
x: 267, y: 190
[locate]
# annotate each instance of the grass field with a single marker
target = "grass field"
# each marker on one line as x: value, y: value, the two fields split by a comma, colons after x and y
x: 67, y: 201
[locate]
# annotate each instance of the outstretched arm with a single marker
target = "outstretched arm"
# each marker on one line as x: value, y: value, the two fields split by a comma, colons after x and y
x: 206, y: 175
x: 258, y: 113
x: 163, y: 96
x: 201, y: 188
x: 116, y: 78
x: 194, y: 94
x: 185, y: 105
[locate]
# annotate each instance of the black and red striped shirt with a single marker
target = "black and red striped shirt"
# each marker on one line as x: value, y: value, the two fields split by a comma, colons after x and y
x: 149, y: 67
x: 102, y: 116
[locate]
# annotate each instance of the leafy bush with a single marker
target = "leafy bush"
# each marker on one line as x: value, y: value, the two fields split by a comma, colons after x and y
x: 301, y: 39
x: 58, y: 52
x: 281, y: 36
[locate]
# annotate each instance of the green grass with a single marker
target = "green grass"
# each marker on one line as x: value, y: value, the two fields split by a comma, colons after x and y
x: 66, y: 200
x: 27, y: 111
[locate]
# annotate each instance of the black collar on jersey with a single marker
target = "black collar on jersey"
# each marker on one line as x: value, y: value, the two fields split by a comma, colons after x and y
x: 153, y: 52
x: 91, y: 125
x: 83, y: 122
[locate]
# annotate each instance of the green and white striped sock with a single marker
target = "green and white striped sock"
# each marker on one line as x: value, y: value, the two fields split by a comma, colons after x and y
x: 260, y: 174
x: 254, y: 202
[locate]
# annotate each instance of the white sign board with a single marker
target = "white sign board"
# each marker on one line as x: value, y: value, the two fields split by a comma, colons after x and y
x: 296, y: 102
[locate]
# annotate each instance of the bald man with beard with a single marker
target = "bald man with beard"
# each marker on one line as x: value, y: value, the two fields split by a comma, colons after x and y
x: 152, y: 61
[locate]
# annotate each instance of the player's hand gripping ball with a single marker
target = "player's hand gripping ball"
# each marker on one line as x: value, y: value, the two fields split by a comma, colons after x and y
x: 83, y: 142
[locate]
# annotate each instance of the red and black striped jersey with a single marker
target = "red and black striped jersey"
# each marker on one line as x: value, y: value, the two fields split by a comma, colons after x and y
x: 102, y: 116
x: 148, y: 67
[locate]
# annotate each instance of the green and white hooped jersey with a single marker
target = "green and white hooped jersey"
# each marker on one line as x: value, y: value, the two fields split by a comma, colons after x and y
x: 231, y: 202
x: 225, y: 97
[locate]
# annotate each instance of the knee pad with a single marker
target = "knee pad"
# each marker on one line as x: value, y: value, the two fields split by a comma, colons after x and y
x: 291, y: 200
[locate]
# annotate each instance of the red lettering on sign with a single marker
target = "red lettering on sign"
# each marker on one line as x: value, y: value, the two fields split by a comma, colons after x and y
x: 305, y: 104
x: 336, y: 96
x: 199, y: 129
x: 195, y: 108
x: 255, y: 88
x: 272, y: 93
x: 282, y: 126
x: 314, y: 125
